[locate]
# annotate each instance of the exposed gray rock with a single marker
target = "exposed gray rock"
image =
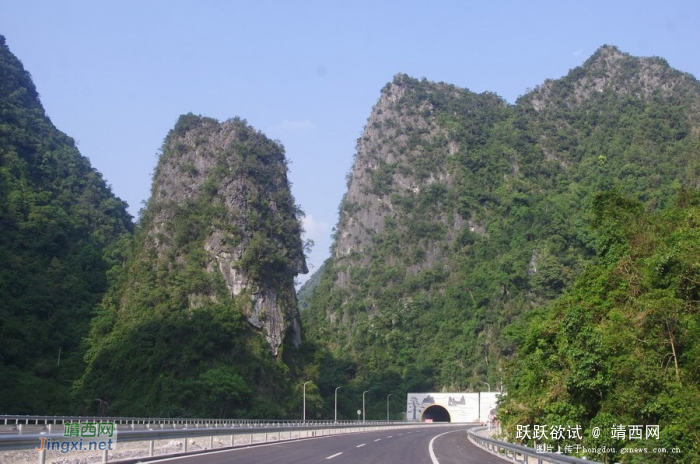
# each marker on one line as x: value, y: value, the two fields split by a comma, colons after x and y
x: 397, y: 138
x: 244, y: 174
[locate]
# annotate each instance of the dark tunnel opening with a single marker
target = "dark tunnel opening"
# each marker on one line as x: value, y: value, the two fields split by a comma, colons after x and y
x: 436, y: 413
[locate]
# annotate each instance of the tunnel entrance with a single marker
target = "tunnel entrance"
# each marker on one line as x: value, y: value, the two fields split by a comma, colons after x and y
x: 436, y: 413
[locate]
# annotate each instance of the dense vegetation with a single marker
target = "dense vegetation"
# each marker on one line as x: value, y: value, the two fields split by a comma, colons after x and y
x: 480, y: 211
x: 623, y: 345
x: 57, y: 216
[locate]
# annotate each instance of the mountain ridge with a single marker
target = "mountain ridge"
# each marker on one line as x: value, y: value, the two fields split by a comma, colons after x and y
x: 485, y: 216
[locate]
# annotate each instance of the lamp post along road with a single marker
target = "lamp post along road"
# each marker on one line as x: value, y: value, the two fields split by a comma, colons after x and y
x: 335, y: 415
x: 304, y: 414
x: 487, y: 384
x: 387, y: 406
x: 363, y: 405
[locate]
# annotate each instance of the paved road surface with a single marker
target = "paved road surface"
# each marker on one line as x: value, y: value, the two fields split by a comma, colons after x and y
x: 450, y: 446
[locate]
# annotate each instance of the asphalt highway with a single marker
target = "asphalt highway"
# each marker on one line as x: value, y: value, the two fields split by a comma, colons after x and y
x: 449, y: 446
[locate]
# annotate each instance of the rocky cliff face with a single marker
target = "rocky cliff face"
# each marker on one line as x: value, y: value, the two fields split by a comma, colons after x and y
x: 609, y: 69
x: 374, y: 176
x: 404, y: 155
x: 204, y: 290
x: 241, y: 177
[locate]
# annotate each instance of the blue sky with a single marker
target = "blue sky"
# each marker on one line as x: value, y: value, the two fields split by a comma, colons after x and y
x: 116, y: 75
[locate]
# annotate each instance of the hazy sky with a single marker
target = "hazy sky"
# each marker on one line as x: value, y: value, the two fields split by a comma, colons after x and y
x: 116, y: 75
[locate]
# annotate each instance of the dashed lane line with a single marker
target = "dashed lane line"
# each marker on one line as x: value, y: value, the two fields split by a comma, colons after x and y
x: 335, y: 455
x: 360, y: 446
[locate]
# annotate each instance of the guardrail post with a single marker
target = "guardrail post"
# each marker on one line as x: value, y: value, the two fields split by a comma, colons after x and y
x: 231, y: 440
x: 150, y: 448
x: 42, y: 456
x: 211, y: 442
x: 185, y: 448
x: 104, y: 455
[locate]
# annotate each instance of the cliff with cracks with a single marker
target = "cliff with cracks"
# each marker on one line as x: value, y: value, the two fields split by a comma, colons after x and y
x: 202, y: 301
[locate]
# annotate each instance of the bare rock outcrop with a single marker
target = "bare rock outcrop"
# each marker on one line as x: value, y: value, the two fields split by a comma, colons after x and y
x: 228, y: 184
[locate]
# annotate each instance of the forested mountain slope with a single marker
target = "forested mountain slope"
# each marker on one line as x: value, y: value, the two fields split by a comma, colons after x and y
x: 57, y: 217
x: 463, y: 213
x: 623, y: 346
x: 307, y: 289
x: 201, y: 301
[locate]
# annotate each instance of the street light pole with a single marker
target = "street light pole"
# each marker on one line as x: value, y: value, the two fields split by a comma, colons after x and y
x: 363, y: 405
x: 387, y: 406
x: 487, y: 386
x: 304, y: 416
x: 335, y: 416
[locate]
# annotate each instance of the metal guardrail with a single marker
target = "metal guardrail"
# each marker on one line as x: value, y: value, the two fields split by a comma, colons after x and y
x: 519, y: 453
x: 258, y: 433
x: 145, y: 421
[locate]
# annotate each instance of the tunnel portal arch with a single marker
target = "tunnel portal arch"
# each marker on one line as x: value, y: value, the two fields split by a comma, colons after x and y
x: 437, y: 413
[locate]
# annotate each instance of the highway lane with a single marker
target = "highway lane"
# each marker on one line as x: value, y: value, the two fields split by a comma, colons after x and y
x: 455, y: 447
x: 450, y: 446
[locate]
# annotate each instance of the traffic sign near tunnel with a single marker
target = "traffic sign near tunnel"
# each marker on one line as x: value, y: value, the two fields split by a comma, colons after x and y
x: 451, y: 407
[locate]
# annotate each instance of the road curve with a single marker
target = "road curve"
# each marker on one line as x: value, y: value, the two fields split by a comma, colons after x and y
x: 449, y: 445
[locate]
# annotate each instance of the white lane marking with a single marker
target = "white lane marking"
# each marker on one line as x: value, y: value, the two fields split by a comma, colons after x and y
x: 238, y: 449
x: 377, y: 439
x: 336, y: 454
x: 430, y: 446
x: 360, y: 446
x: 390, y: 436
x: 229, y: 450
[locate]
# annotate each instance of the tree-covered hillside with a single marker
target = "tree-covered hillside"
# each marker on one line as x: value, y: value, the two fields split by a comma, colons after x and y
x: 623, y: 345
x: 307, y: 289
x: 57, y: 217
x: 463, y: 213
